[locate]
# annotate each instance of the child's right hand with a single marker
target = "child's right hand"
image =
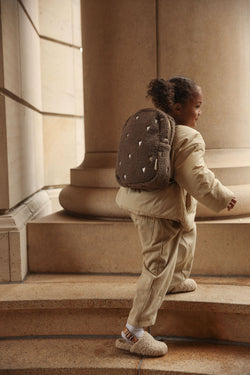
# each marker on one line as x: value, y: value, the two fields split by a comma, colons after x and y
x: 232, y: 204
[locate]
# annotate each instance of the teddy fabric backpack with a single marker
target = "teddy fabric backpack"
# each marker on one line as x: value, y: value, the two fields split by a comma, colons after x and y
x: 143, y: 160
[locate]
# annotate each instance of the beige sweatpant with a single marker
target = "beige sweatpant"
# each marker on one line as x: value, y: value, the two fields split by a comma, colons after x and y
x: 168, y: 252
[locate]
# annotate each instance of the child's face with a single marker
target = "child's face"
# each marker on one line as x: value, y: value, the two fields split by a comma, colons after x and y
x: 188, y: 113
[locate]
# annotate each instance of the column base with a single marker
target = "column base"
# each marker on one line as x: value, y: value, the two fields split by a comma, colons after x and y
x: 90, y: 201
x: 100, y: 202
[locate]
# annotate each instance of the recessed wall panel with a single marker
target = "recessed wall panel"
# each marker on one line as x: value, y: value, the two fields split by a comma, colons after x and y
x: 61, y: 79
x: 30, y: 61
x: 56, y: 19
x: 63, y: 148
x: 24, y: 151
x: 11, y: 79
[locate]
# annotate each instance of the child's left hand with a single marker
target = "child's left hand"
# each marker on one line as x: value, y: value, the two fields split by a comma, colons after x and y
x: 232, y: 204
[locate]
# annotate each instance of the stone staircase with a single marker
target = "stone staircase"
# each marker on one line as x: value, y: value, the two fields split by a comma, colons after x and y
x: 65, y: 316
x: 67, y: 324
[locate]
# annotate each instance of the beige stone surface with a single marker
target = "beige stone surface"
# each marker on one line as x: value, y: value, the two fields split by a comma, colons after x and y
x: 15, y: 219
x: 18, y: 254
x: 93, y: 191
x: 97, y: 171
x: 61, y: 70
x: 222, y: 248
x: 193, y: 358
x: 99, y: 305
x: 80, y: 140
x: 66, y: 321
x: 62, y: 148
x: 4, y: 186
x: 175, y: 49
x: 88, y: 291
x: 202, y: 324
x: 21, y: 127
x: 53, y: 196
x: 38, y: 205
x: 229, y: 176
x: 92, y: 356
x: 227, y: 158
x: 117, y: 291
x: 76, y: 23
x: 110, y: 320
x: 10, y: 45
x: 231, y: 166
x: 24, y: 173
x: 89, y: 201
x: 61, y: 20
x: 74, y: 278
x: 34, y: 207
x: 78, y: 81
x: 29, y: 60
x: 241, y: 209
x: 211, y: 53
x: 212, y: 297
x: 13, y: 244
x: 1, y: 65
x: 99, y: 185
x: 84, y: 199
x: 64, y: 356
x: 94, y: 177
x: 100, y: 357
x: 32, y: 8
x: 223, y: 280
x: 120, y: 59
x: 80, y: 245
x: 25, y: 151
x: 4, y: 257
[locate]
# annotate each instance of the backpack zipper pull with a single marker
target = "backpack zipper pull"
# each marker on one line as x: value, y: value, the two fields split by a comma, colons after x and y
x: 156, y: 164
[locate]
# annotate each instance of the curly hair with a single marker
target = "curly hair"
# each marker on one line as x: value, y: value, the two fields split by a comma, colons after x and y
x: 165, y: 93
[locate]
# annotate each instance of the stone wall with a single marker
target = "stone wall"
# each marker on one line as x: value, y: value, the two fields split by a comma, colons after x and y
x: 62, y: 88
x: 41, y: 96
x: 41, y: 115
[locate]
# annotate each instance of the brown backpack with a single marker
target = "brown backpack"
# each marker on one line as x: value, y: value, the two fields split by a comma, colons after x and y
x: 143, y: 160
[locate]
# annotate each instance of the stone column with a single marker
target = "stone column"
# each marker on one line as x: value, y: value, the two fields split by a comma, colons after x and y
x: 209, y: 42
x: 119, y: 59
x: 127, y: 43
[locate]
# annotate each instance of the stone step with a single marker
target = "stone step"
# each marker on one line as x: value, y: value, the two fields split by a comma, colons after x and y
x: 230, y: 166
x: 100, y: 202
x: 60, y: 243
x: 99, y: 305
x: 98, y: 356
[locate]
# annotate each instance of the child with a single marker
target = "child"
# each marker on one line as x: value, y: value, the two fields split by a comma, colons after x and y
x: 165, y: 218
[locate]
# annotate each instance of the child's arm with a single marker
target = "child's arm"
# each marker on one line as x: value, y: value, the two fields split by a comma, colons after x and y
x: 191, y: 172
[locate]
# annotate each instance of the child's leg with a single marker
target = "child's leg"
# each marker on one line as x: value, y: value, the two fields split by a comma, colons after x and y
x: 160, y: 240
x: 185, y: 259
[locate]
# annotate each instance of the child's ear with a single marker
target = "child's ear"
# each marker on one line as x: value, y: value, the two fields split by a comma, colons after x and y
x: 177, y: 108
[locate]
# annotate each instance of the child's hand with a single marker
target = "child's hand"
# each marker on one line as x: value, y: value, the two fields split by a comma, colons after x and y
x: 232, y: 204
